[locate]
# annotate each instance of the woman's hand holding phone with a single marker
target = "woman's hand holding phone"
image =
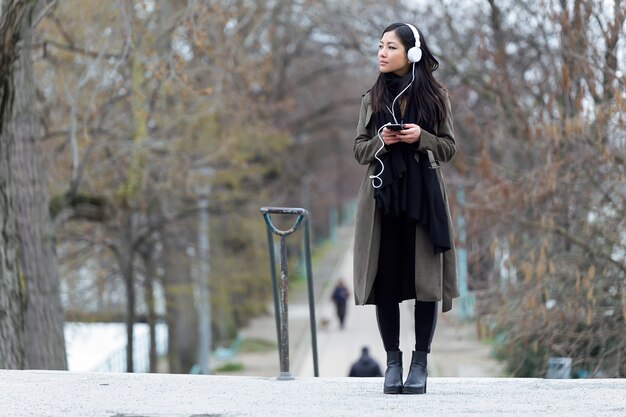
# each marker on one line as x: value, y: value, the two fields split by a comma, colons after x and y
x: 390, y: 136
x: 408, y: 133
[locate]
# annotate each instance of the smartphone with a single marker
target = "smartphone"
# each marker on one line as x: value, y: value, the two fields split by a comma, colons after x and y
x: 395, y: 127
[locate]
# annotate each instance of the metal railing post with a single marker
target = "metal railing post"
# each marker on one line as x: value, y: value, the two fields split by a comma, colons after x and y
x: 281, y: 300
x: 309, y: 279
x: 270, y: 243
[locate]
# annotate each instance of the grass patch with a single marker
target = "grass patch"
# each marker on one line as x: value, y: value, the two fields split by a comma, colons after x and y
x: 488, y: 340
x: 256, y: 345
x: 297, y: 283
x: 230, y: 367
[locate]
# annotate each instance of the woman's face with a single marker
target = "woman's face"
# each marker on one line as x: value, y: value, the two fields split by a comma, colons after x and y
x: 392, y: 54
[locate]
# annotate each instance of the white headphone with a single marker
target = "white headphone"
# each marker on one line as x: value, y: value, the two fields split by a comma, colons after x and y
x: 414, y: 54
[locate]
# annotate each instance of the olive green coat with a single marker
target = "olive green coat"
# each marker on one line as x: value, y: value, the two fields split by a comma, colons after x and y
x: 435, y: 275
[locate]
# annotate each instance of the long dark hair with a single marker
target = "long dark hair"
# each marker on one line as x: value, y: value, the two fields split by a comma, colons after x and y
x: 427, y: 94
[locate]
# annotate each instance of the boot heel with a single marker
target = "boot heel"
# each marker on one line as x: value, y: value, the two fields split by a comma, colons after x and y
x: 392, y: 390
x: 414, y: 390
x: 416, y: 381
x: 393, y: 374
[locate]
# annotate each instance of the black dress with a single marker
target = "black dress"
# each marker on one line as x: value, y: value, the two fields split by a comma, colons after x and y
x: 395, y: 278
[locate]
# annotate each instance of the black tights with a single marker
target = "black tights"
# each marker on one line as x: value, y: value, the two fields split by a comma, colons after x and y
x: 388, y: 316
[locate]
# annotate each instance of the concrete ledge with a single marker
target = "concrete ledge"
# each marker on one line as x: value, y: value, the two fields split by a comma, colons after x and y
x: 54, y: 393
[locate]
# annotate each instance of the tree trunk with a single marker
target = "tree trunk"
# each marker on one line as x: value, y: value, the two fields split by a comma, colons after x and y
x: 12, y: 338
x: 130, y: 311
x: 150, y: 273
x: 45, y: 342
x: 12, y: 288
x: 181, y: 315
x: 126, y: 257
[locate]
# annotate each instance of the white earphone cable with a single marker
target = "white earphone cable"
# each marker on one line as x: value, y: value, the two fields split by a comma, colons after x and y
x: 376, y: 177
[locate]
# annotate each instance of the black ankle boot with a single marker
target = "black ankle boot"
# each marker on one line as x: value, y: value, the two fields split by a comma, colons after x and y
x: 416, y: 381
x: 393, y: 374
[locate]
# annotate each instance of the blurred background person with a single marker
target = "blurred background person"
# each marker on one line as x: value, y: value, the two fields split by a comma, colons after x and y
x: 339, y: 297
x: 365, y: 366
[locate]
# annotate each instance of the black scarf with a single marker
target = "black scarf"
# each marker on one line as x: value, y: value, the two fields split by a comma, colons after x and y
x: 410, y: 189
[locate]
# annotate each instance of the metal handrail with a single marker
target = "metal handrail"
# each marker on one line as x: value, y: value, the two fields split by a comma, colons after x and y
x: 281, y: 303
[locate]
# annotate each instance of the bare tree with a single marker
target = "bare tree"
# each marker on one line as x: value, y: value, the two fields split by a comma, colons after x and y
x: 34, y: 338
x: 12, y: 303
x: 540, y: 109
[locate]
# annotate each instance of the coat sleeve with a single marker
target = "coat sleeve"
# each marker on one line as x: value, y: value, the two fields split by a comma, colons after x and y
x: 442, y: 145
x: 365, y: 146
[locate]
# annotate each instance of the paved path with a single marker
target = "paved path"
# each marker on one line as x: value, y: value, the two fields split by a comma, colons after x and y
x: 67, y: 394
x: 455, y: 350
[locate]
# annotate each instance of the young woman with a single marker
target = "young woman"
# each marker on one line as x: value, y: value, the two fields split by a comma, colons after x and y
x: 404, y: 247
